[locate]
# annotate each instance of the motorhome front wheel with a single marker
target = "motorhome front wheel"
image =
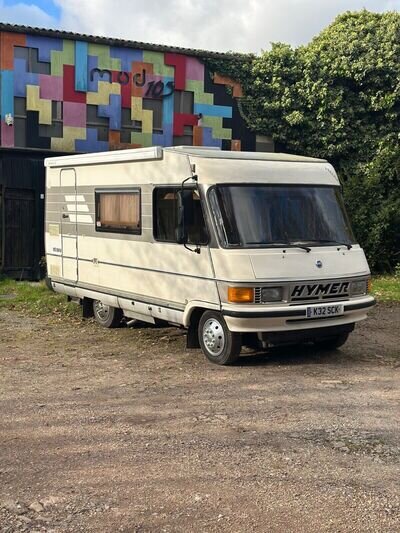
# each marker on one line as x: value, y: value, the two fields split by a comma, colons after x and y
x: 219, y: 345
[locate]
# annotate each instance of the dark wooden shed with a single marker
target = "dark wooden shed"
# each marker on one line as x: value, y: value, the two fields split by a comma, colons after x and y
x: 22, y: 188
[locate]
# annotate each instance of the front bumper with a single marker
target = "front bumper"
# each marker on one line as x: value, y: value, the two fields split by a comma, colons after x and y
x: 292, y: 317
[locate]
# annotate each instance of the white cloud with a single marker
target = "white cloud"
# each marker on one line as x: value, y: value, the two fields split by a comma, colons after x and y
x: 27, y: 14
x: 211, y: 24
x: 208, y: 24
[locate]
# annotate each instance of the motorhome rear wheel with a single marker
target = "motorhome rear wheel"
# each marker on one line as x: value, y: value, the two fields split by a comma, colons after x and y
x: 105, y: 315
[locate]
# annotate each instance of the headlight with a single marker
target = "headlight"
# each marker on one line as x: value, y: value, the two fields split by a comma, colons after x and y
x: 359, y: 287
x: 271, y: 294
x: 240, y: 295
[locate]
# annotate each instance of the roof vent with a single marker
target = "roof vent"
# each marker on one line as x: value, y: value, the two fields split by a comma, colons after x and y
x: 183, y: 147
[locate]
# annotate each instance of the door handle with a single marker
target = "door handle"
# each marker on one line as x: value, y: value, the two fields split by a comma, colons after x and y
x: 65, y: 215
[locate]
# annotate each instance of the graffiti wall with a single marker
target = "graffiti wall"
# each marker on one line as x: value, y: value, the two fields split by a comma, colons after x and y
x: 71, y: 95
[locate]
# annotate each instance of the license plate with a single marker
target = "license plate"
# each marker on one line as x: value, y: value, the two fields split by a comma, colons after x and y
x: 320, y: 311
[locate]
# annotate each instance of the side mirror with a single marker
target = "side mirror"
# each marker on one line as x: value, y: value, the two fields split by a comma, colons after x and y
x: 185, y: 214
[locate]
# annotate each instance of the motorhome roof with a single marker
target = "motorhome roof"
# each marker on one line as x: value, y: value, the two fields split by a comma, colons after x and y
x: 216, y: 153
x: 156, y: 152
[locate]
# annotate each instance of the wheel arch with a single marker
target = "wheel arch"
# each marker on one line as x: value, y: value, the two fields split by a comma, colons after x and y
x: 195, y: 309
x: 191, y: 319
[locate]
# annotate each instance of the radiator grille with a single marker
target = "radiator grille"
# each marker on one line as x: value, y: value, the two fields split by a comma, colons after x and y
x: 335, y: 290
x: 257, y: 295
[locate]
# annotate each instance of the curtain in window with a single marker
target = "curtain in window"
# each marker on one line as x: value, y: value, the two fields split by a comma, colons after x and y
x: 119, y: 210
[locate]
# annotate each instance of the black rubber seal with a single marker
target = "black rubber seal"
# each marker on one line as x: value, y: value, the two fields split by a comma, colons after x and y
x: 290, y: 312
x: 362, y: 305
x: 264, y: 314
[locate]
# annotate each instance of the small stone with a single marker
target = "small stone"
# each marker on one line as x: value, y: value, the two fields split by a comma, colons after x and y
x: 17, y: 508
x: 25, y: 519
x: 339, y: 444
x: 49, y: 501
x: 45, y: 519
x: 37, y: 507
x: 10, y: 505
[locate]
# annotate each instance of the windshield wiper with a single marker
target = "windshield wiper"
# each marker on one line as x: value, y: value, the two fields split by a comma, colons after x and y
x: 288, y: 244
x: 329, y: 241
x: 294, y: 244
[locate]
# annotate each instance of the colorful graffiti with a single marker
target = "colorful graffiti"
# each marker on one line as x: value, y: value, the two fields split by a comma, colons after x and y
x: 132, y: 95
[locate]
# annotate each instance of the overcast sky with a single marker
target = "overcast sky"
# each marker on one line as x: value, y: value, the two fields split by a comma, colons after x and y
x: 222, y: 25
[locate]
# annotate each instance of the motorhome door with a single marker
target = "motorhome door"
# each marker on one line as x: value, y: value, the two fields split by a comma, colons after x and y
x: 69, y: 228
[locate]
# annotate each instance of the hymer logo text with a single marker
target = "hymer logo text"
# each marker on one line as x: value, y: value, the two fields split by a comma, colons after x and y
x: 320, y: 289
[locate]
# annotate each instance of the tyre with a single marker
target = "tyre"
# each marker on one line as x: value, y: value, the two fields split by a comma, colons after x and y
x: 331, y: 343
x: 219, y: 345
x: 105, y: 315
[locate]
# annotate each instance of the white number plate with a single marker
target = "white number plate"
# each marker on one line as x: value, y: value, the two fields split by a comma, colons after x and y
x: 320, y: 311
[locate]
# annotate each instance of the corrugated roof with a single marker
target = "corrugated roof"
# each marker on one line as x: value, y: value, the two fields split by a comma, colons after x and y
x: 59, y: 34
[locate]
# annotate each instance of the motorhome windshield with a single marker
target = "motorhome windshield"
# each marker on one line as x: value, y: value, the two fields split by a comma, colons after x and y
x: 268, y: 215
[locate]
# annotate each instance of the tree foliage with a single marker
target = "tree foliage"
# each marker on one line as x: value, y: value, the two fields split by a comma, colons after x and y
x: 372, y: 194
x: 339, y: 98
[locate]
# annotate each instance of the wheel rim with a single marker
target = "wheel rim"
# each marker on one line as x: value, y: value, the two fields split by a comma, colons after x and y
x: 102, y: 310
x: 213, y: 337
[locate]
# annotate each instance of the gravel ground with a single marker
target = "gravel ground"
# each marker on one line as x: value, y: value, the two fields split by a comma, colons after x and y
x: 125, y: 430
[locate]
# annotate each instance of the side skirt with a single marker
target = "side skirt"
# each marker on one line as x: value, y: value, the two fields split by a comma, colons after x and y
x: 139, y: 310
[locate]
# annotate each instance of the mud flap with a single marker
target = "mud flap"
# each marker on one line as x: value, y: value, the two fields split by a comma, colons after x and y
x: 87, y: 308
x: 192, y: 337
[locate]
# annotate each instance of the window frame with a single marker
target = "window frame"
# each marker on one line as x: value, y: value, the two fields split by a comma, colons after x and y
x: 224, y: 245
x: 186, y: 139
x: 57, y: 114
x: 177, y: 188
x: 100, y: 123
x: 19, y: 117
x: 180, y: 103
x: 32, y: 59
x: 117, y: 190
x: 128, y: 126
x: 146, y: 101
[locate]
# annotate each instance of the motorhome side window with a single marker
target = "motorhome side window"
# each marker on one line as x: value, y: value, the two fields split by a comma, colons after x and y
x: 118, y: 211
x: 165, y: 218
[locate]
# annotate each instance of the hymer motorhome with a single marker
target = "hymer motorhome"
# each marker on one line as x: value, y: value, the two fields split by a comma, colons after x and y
x: 239, y: 248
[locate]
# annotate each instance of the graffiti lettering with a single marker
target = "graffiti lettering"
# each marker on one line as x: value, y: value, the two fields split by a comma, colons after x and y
x: 101, y: 73
x: 123, y: 78
x: 154, y: 89
x: 136, y: 79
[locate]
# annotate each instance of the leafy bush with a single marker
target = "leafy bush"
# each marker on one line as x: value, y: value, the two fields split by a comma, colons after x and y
x: 372, y: 194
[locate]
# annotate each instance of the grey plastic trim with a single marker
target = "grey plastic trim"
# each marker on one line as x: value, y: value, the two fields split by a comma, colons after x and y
x: 121, y: 294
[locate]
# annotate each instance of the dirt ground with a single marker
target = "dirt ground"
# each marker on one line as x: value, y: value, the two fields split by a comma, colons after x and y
x: 125, y: 430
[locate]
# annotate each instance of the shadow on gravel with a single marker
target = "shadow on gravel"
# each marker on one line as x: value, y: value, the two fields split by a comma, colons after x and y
x: 290, y: 356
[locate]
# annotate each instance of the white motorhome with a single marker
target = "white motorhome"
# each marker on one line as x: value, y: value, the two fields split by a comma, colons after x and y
x: 239, y: 248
